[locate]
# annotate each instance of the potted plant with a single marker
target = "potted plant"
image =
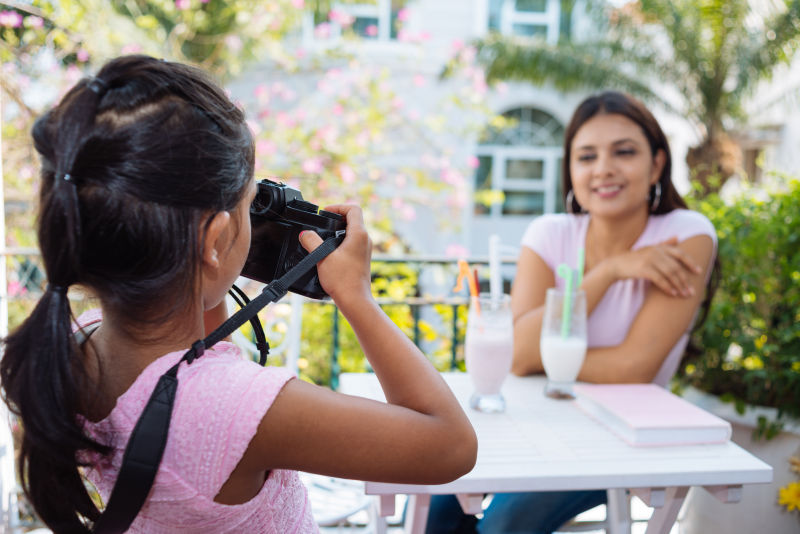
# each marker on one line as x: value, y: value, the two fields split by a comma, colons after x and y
x: 747, y: 364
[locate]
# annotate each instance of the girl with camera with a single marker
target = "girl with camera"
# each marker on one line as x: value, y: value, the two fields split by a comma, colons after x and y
x: 146, y: 184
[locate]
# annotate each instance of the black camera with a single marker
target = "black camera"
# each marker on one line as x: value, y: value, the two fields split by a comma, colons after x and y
x: 277, y: 216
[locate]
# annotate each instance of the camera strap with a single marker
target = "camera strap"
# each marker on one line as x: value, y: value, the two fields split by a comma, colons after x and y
x: 149, y: 437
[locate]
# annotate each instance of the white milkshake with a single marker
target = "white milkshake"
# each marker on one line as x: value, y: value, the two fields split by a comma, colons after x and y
x: 562, y: 357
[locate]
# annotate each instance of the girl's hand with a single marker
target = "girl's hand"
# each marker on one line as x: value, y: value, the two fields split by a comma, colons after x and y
x: 345, y: 274
x: 664, y: 264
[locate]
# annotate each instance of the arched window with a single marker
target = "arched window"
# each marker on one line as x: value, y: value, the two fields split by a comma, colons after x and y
x: 523, y: 161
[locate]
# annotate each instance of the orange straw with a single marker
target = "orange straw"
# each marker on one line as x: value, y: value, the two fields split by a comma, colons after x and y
x: 464, y: 272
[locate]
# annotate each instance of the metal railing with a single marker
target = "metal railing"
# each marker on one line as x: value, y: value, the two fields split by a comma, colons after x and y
x: 423, y: 285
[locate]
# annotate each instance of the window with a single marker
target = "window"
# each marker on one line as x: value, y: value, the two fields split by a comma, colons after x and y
x: 379, y: 20
x: 529, y: 18
x: 523, y: 161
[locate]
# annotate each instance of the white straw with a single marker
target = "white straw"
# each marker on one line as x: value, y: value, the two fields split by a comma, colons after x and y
x: 495, y: 274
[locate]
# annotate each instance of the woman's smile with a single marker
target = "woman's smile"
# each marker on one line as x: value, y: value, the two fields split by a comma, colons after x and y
x: 607, y: 191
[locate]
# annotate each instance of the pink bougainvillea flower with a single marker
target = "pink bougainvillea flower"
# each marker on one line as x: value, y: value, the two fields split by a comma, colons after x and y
x: 16, y: 289
x: 372, y: 30
x: 408, y: 213
x: 451, y: 176
x: 322, y: 31
x: 34, y: 22
x: 10, y: 19
x: 403, y: 14
x: 266, y: 147
x: 312, y: 166
x: 284, y: 119
x: 473, y: 162
x: 298, y: 4
x: 82, y: 55
x: 182, y: 4
x: 347, y: 173
x: 340, y: 17
x: 262, y: 92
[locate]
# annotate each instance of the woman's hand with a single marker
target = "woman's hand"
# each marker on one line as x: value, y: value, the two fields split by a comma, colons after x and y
x: 664, y: 264
x: 345, y: 274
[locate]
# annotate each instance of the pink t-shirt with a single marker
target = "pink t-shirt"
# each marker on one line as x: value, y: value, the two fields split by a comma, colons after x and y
x: 556, y: 238
x: 220, y: 402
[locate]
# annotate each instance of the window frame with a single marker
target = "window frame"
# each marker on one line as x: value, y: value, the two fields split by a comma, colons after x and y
x: 550, y: 18
x: 382, y: 11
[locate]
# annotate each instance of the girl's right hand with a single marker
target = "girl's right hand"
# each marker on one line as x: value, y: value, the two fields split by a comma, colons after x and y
x: 663, y: 264
x: 345, y: 273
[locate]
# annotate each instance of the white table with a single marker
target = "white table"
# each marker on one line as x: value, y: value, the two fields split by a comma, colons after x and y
x: 541, y: 444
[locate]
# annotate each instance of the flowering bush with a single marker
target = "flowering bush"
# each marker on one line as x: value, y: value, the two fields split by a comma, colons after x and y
x: 750, y: 342
x: 338, y: 127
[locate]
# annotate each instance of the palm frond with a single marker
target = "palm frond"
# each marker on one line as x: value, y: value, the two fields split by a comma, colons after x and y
x: 765, y: 49
x: 570, y: 66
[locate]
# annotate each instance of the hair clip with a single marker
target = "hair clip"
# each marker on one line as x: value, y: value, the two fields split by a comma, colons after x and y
x: 61, y: 290
x: 67, y: 177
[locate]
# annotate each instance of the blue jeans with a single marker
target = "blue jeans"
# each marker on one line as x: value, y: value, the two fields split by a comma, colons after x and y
x: 512, y: 513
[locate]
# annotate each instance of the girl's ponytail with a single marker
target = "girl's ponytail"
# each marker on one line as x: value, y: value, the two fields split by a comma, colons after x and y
x: 42, y: 368
x: 41, y: 379
x: 133, y: 162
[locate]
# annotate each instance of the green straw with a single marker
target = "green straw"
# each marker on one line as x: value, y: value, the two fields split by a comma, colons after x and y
x: 565, y: 272
x: 581, y: 260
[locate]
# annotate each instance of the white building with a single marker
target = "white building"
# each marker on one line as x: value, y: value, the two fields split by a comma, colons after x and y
x: 523, y: 162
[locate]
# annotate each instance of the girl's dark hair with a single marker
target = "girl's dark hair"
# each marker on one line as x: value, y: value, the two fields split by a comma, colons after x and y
x: 616, y: 103
x: 134, y: 163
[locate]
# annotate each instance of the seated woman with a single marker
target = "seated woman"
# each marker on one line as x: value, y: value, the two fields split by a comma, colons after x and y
x: 648, y: 264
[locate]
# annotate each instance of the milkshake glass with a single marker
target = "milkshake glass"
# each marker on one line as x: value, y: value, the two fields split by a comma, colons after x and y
x: 488, y: 349
x: 562, y: 343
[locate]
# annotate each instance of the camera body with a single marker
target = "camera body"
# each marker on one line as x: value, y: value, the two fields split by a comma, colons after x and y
x: 277, y: 215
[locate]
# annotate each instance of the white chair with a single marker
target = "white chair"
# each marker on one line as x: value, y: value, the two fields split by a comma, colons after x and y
x: 335, y: 502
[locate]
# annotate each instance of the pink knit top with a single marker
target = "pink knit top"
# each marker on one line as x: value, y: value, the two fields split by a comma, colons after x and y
x: 219, y: 404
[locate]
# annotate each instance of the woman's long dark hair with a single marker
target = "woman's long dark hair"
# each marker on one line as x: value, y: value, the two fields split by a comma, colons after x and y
x: 615, y: 103
x: 133, y: 162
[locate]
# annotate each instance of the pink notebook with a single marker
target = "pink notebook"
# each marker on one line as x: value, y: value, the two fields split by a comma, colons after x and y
x: 649, y: 415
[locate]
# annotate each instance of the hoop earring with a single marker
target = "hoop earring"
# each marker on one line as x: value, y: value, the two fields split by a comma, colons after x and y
x: 570, y: 203
x: 656, y: 197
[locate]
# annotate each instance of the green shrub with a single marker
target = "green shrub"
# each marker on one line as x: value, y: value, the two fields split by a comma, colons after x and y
x: 750, y: 342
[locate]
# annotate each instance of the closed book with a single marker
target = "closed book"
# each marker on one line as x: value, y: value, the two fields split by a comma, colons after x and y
x: 649, y: 415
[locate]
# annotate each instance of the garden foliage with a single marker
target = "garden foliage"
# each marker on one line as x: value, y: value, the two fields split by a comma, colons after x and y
x: 750, y: 342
